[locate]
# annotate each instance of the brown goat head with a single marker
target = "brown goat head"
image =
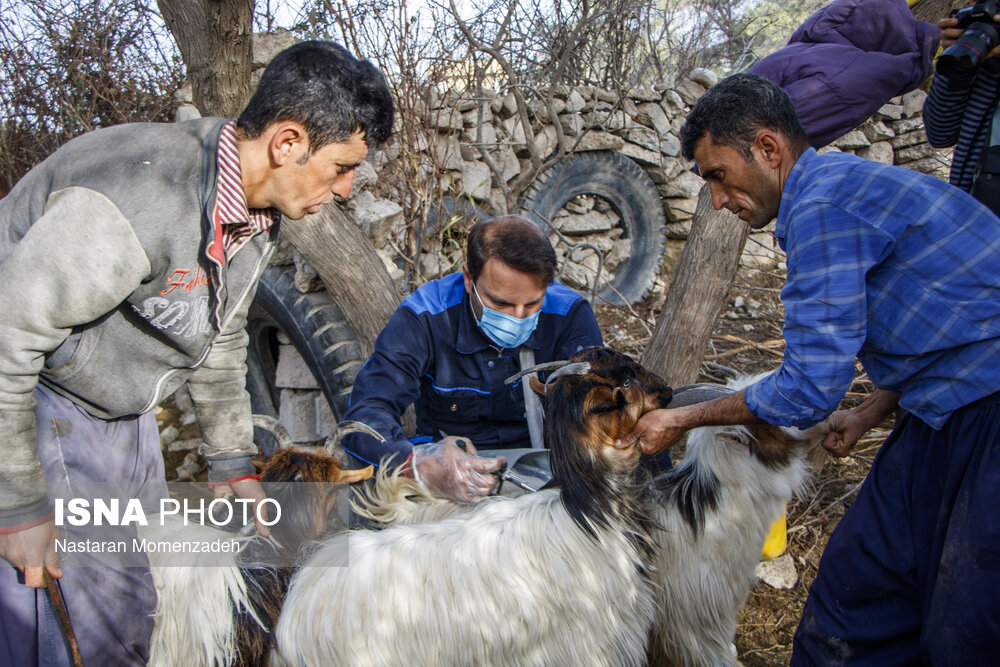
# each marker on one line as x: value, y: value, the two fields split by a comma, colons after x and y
x: 586, y: 412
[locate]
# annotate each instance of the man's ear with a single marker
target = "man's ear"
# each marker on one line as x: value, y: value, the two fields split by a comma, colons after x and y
x: 771, y: 145
x: 288, y: 142
x: 467, y: 277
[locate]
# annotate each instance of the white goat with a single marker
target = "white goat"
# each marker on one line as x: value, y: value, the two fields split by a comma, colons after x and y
x: 708, y: 520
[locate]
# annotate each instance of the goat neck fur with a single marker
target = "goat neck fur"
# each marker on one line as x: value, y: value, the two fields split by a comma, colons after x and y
x: 224, y: 615
x: 558, y: 577
x: 712, y: 516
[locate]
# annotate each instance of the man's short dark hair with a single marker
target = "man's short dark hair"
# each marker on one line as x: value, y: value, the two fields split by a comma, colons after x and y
x: 515, y: 241
x: 735, y: 109
x: 326, y: 89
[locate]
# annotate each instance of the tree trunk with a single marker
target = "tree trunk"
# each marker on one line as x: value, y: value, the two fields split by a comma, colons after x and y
x: 230, y: 50
x: 350, y: 268
x: 697, y: 292
x: 214, y: 38
x: 933, y: 11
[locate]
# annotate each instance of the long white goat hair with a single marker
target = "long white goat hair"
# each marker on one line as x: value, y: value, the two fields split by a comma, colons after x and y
x: 518, y: 582
x: 199, y: 630
x: 717, y: 507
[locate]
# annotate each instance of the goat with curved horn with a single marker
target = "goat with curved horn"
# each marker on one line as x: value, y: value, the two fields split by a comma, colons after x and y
x: 697, y: 393
x: 547, y: 366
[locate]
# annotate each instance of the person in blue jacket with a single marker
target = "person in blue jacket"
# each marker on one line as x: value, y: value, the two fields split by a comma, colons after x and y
x: 900, y: 271
x: 448, y: 349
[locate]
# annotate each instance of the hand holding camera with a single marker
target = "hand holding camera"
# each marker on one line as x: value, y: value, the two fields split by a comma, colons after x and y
x: 969, y: 36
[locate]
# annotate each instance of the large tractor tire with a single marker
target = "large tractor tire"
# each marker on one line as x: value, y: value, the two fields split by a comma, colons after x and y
x: 317, y: 329
x: 623, y: 184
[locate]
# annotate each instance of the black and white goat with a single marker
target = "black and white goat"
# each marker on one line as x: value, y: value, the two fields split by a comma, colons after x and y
x: 693, y: 537
x: 223, y: 612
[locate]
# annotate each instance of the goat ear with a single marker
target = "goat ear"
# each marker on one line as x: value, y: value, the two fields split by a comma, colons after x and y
x: 605, y: 399
x: 258, y: 466
x: 537, y: 386
x: 739, y: 437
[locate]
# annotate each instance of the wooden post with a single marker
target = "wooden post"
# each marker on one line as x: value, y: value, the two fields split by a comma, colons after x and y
x: 697, y: 293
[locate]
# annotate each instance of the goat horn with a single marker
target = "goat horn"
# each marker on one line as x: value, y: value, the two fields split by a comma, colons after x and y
x: 343, y: 428
x: 576, y: 368
x: 269, y: 423
x: 697, y: 393
x: 547, y: 366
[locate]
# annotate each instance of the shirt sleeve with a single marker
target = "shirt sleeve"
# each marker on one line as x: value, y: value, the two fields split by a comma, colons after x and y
x: 77, y: 262
x: 387, y: 384
x: 944, y: 107
x: 829, y: 253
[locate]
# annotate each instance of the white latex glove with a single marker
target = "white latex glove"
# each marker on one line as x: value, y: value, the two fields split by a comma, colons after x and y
x: 451, y: 467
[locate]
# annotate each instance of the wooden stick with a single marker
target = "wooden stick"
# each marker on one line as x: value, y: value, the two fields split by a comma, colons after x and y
x: 60, y: 606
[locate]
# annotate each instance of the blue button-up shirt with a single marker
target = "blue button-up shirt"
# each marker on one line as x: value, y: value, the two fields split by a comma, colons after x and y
x: 893, y: 267
x: 432, y: 354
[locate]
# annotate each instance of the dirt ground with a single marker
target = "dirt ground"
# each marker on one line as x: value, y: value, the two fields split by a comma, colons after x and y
x: 746, y: 339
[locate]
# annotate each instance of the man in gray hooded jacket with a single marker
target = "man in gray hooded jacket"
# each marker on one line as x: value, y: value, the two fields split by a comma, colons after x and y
x: 128, y: 260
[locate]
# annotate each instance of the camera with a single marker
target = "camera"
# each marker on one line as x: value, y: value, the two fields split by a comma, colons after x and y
x: 979, y: 37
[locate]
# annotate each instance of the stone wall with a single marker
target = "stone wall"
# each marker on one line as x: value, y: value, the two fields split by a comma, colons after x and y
x: 454, y: 131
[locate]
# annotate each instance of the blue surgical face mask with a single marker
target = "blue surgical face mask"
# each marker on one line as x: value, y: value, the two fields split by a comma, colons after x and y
x: 505, y: 330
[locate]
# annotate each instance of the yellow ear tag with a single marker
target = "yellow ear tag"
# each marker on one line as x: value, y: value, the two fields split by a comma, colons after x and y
x: 777, y: 539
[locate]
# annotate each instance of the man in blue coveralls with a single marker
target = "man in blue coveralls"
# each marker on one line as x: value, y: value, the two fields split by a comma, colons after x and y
x: 448, y: 349
x: 901, y: 271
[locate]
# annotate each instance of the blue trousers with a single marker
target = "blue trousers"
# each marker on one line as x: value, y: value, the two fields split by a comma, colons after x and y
x: 110, y: 606
x: 911, y: 575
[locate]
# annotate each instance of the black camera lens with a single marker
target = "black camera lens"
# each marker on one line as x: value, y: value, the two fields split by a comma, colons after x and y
x: 969, y: 50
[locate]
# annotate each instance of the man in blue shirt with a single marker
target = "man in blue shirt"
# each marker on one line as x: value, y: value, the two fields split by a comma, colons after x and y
x: 902, y: 272
x: 448, y: 349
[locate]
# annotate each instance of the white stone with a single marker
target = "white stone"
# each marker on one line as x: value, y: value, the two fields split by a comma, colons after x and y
x: 894, y: 111
x: 299, y: 416
x: 652, y: 115
x: 169, y: 434
x: 704, y: 76
x: 641, y: 155
x: 670, y: 145
x: 644, y: 137
x: 445, y: 120
x: 186, y: 112
x: 448, y: 153
x: 395, y: 273
x: 377, y: 217
x: 189, y: 468
x: 876, y: 130
x: 644, y: 94
x: 476, y: 180
x: 913, y: 103
x: 852, y: 140
x: 184, y: 445
x: 685, y: 186
x: 575, y: 102
x: 673, y: 100
x: 266, y: 45
x: 689, y: 91
x: 292, y: 371
x: 595, y: 140
x: 546, y: 141
x: 364, y: 177
x: 680, y: 210
x: 571, y: 123
x: 509, y: 166
x: 880, y: 151
x: 778, y: 573
x: 587, y: 223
